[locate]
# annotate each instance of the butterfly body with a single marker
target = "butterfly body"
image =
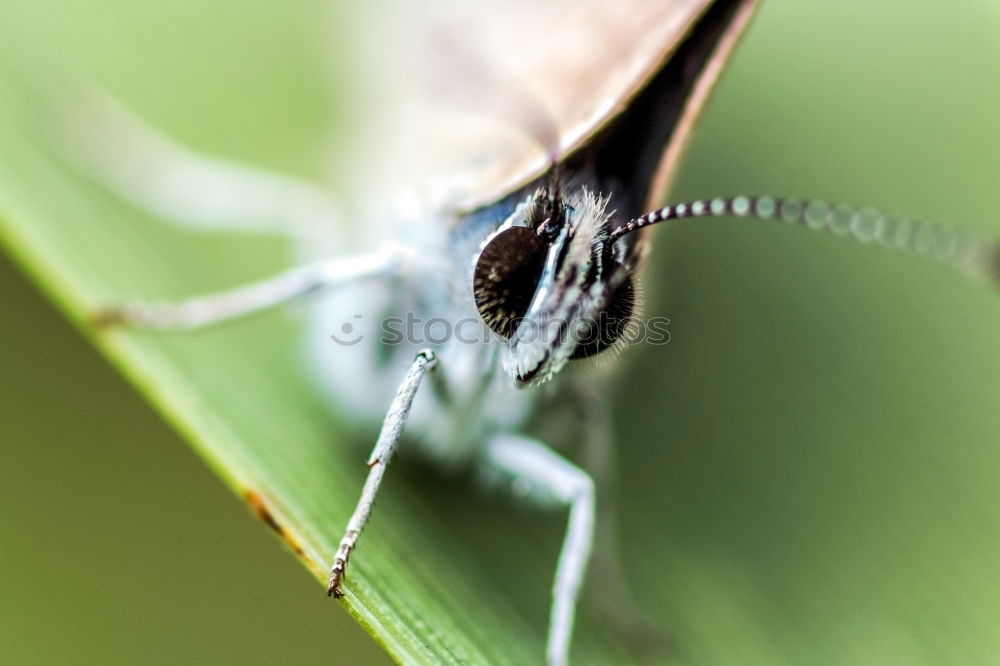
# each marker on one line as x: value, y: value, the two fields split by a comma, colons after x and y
x: 378, y: 326
x: 432, y: 304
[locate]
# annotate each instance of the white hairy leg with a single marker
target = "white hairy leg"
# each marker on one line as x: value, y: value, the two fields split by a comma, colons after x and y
x: 227, y: 305
x: 548, y: 476
x: 378, y: 462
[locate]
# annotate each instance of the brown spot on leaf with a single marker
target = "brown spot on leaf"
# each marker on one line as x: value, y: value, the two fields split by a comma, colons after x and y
x: 257, y: 505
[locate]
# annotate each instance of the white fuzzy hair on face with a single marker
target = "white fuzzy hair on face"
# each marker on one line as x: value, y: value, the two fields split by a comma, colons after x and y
x: 570, y: 289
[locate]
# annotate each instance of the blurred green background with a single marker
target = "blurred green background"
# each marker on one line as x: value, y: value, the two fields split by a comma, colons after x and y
x: 813, y: 460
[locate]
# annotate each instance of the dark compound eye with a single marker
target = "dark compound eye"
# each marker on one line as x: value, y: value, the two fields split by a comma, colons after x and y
x: 506, y: 276
x: 610, y: 324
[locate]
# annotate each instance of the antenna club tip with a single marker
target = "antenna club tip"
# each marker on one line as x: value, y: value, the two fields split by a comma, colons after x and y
x: 107, y: 317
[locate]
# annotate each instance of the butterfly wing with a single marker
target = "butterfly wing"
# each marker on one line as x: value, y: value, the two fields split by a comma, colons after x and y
x: 485, y: 95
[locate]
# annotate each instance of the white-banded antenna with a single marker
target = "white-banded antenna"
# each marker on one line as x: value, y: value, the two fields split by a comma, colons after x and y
x: 973, y: 253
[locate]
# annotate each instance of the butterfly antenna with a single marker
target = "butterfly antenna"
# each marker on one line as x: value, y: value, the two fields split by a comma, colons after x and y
x: 975, y: 254
x: 555, y: 211
x: 556, y: 179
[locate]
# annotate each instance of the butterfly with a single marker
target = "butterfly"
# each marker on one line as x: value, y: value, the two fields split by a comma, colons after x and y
x: 545, y: 227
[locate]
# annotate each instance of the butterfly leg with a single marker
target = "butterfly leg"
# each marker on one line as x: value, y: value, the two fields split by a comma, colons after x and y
x: 548, y: 476
x: 385, y: 448
x: 152, y: 171
x: 235, y: 303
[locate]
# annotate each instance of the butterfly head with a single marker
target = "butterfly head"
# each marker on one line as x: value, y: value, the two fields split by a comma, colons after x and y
x: 550, y: 284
